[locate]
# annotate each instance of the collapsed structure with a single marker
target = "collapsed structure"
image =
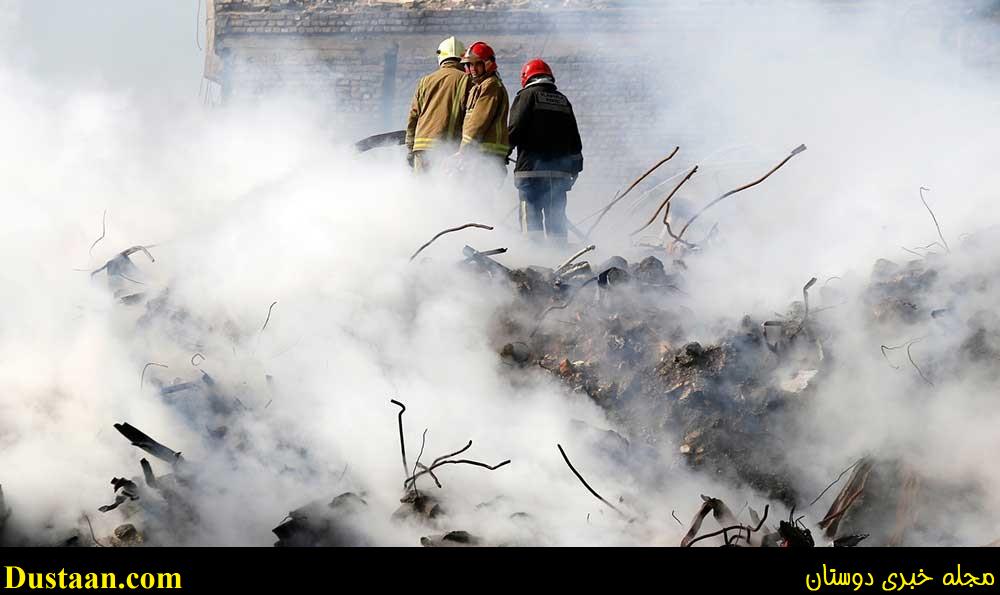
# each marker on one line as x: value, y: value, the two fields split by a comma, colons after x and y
x: 615, y: 331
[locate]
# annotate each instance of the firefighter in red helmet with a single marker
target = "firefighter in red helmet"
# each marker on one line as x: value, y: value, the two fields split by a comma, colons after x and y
x: 485, y: 127
x: 549, y: 152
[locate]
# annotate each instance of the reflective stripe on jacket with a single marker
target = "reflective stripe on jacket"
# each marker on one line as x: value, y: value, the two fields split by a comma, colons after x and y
x: 438, y: 108
x: 486, y: 113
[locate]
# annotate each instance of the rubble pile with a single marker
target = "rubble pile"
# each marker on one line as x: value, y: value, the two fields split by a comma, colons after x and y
x: 620, y: 334
x: 325, y: 524
x: 730, y: 407
x: 623, y: 345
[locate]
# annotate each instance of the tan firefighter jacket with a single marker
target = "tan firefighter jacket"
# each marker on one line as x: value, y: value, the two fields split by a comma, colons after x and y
x: 438, y: 108
x: 486, y: 113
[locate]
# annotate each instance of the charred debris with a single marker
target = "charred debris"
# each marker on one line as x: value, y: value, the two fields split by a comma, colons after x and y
x: 615, y: 332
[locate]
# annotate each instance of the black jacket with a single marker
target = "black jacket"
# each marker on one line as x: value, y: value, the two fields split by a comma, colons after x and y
x: 544, y: 131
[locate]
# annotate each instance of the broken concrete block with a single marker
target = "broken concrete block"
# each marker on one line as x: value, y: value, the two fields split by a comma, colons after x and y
x: 799, y: 382
x: 127, y: 535
x: 418, y: 505
x: 452, y: 539
x: 883, y: 270
x: 338, y: 523
x: 616, y: 262
x: 518, y: 352
x: 650, y: 271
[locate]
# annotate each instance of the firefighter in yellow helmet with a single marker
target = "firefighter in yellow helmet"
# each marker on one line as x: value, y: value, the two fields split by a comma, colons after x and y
x: 438, y: 108
x: 485, y: 129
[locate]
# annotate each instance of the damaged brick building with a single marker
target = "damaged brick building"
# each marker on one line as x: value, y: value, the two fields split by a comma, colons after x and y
x: 362, y: 58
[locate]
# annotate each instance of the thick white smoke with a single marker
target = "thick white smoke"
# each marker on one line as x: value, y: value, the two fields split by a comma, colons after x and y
x: 241, y: 209
x: 888, y: 98
x: 255, y: 205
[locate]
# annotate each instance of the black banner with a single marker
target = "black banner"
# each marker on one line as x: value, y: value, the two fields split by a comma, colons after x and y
x: 777, y: 570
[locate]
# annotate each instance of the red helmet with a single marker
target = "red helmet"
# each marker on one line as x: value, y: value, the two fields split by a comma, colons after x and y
x: 533, y: 68
x: 480, y: 52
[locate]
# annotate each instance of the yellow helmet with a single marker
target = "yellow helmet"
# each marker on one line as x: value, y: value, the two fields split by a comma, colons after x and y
x: 449, y: 49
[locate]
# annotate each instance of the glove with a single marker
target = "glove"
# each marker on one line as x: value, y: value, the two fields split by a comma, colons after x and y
x: 409, y: 159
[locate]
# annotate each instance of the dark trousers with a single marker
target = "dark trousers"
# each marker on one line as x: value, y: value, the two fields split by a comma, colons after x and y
x: 543, y: 206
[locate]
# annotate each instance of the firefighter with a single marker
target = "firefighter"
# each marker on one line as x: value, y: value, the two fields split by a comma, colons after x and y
x: 549, y: 152
x: 438, y: 108
x: 484, y: 132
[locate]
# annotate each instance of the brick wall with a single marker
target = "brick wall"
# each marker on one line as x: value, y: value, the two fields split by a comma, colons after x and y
x: 341, y: 52
x: 362, y: 58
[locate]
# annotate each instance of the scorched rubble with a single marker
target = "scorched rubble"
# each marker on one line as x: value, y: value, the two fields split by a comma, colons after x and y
x: 619, y: 335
